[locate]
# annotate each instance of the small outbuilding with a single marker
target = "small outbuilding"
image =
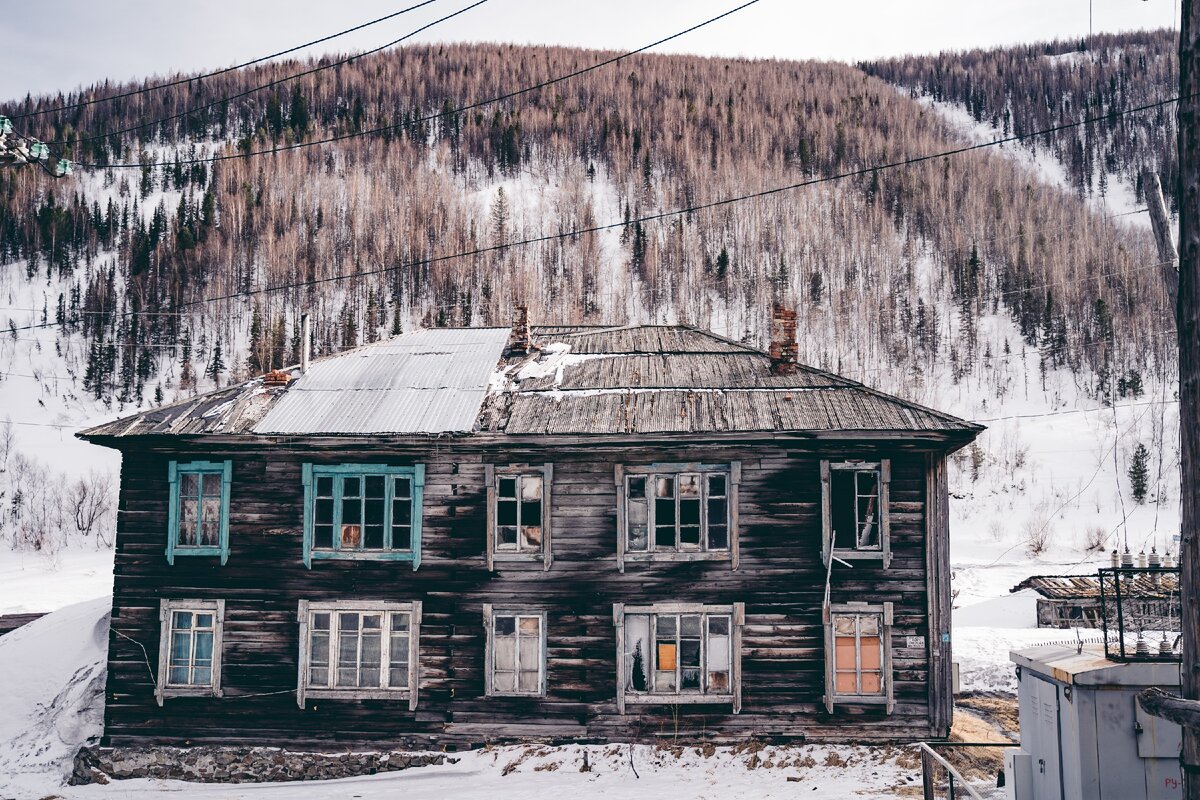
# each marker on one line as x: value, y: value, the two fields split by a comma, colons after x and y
x: 1073, y: 601
x: 1083, y: 735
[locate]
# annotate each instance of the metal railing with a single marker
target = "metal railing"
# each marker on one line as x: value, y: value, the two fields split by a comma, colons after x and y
x: 941, y: 780
x: 1139, y: 610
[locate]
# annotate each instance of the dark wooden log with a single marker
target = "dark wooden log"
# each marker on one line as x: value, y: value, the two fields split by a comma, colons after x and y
x: 1161, y: 224
x: 1156, y: 702
x: 1188, y: 324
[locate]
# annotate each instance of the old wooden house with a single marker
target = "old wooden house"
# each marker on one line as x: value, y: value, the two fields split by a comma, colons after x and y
x: 460, y: 536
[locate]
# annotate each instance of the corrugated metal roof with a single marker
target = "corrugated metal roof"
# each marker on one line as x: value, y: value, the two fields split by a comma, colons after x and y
x: 429, y: 381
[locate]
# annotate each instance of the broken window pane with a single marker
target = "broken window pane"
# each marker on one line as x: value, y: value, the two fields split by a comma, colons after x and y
x: 636, y: 514
x: 689, y: 513
x: 637, y: 652
x: 854, y: 509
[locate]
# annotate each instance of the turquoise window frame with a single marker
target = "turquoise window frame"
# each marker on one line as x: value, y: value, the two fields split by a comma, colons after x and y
x: 174, y: 470
x: 313, y: 471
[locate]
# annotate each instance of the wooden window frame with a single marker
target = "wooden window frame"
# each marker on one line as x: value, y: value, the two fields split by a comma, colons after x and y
x: 416, y: 473
x: 489, y: 621
x: 225, y: 470
x: 733, y: 476
x: 166, y: 610
x: 883, y: 554
x: 492, y: 475
x: 737, y: 621
x: 887, y: 697
x: 307, y: 608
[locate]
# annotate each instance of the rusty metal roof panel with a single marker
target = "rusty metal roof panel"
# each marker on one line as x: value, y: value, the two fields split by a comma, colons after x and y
x: 426, y: 382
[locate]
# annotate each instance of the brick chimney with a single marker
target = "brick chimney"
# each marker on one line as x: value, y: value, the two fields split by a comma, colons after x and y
x: 783, y: 340
x: 522, y: 340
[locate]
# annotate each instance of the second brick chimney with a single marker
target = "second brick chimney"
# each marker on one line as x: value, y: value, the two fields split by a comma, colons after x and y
x: 521, y: 342
x: 783, y: 340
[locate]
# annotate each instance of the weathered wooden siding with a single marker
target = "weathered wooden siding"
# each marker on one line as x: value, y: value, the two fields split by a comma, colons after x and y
x: 780, y: 580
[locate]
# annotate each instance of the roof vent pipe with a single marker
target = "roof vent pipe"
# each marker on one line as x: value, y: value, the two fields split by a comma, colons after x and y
x: 305, y: 342
x: 784, y: 350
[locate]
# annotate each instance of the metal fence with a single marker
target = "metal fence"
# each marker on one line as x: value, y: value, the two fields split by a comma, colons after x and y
x: 962, y: 770
x: 1139, y: 609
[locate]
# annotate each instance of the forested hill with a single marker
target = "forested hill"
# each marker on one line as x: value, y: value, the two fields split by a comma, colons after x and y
x: 946, y: 270
x: 1018, y: 90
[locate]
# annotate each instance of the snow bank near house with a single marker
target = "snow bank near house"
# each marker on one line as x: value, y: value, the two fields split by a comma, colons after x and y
x: 642, y: 771
x: 32, y: 582
x: 52, y: 672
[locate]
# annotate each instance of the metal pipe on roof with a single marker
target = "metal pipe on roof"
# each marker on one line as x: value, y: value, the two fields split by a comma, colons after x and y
x: 305, y: 342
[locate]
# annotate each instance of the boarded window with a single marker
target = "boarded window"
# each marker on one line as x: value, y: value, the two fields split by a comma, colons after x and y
x: 858, y: 658
x: 518, y: 653
x: 676, y: 512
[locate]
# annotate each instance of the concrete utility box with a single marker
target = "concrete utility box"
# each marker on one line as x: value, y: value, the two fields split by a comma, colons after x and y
x: 1083, y: 736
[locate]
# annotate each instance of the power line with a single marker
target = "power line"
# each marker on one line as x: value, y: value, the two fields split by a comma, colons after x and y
x: 478, y: 104
x: 318, y: 68
x: 676, y: 212
x: 223, y: 71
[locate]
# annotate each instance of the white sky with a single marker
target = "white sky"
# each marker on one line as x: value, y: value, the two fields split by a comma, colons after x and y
x: 52, y: 45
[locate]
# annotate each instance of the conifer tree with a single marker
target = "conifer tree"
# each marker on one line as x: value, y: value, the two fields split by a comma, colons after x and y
x: 1139, y: 472
x: 217, y: 365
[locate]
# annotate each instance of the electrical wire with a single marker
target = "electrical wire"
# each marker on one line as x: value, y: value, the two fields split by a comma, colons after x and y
x: 478, y: 104
x: 276, y: 82
x: 222, y: 71
x: 663, y: 214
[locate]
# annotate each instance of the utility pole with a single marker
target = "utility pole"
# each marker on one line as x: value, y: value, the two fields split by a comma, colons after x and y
x: 1188, y: 325
x: 1161, y: 223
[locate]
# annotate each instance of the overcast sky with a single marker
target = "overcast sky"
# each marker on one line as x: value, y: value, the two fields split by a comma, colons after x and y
x: 53, y: 45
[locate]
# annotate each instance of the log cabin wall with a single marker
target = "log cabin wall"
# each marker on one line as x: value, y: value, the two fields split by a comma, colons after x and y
x: 780, y: 579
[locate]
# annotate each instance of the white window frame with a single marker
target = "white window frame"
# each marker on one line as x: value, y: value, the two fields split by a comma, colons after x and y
x: 166, y: 611
x: 737, y: 620
x: 887, y: 697
x: 307, y: 608
x: 883, y: 553
x: 733, y: 476
x: 489, y: 620
x: 492, y: 475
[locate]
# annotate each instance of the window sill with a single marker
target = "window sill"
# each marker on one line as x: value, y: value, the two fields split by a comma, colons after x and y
x: 508, y: 555
x: 190, y: 691
x: 527, y: 695
x: 677, y: 699
x: 712, y: 555
x: 198, y: 551
x: 344, y: 555
x: 859, y: 700
x: 355, y: 694
x: 885, y: 558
